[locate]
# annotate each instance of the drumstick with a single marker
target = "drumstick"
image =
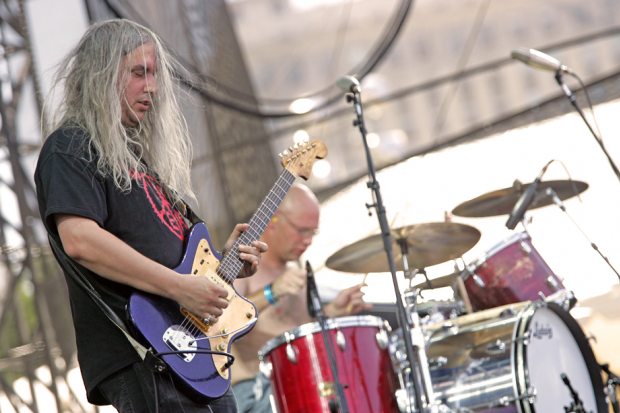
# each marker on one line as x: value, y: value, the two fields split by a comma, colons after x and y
x: 350, y: 305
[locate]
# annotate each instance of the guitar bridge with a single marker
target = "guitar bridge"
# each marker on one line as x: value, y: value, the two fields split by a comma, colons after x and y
x: 196, y: 321
x: 178, y: 338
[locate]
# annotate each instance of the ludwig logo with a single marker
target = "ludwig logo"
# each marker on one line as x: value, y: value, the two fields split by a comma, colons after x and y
x: 541, y: 331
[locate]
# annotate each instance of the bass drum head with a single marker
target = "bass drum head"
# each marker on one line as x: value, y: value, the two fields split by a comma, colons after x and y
x: 557, y: 346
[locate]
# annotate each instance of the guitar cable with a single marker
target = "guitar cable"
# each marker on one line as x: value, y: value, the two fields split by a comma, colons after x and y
x: 157, y: 366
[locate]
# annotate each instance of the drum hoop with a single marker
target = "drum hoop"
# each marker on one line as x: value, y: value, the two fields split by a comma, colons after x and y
x: 330, y: 324
x: 500, y: 246
x: 519, y: 353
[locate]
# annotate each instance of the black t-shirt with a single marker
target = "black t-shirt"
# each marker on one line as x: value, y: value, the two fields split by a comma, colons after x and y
x: 68, y: 182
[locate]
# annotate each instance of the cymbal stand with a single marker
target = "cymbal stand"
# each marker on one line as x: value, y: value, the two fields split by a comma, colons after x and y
x: 417, y: 335
x: 355, y: 98
x: 556, y: 199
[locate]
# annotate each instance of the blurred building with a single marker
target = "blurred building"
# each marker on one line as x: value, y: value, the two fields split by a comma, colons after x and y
x: 294, y: 48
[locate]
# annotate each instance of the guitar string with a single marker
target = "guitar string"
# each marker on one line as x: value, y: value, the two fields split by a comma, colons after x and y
x: 194, y: 330
x: 279, y: 191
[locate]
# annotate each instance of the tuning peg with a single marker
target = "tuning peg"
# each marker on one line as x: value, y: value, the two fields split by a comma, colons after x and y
x: 285, y: 152
x: 296, y: 145
x: 291, y: 149
x: 281, y: 156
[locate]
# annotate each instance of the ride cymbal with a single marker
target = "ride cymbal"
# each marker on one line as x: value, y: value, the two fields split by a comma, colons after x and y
x: 427, y: 244
x: 502, y: 201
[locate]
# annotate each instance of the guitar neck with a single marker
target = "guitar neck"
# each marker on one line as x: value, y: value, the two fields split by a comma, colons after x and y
x: 231, y: 264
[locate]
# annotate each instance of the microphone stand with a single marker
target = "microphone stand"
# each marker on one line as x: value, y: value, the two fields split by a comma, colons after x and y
x: 317, y: 307
x: 556, y: 199
x: 573, y: 100
x: 355, y: 98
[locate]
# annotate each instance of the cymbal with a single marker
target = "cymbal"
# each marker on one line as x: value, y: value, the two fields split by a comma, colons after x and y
x: 428, y: 244
x: 502, y: 201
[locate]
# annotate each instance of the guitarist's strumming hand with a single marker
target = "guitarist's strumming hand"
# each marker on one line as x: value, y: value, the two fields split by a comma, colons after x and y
x: 250, y: 254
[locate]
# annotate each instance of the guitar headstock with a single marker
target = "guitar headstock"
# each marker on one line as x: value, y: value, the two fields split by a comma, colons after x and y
x: 299, y: 159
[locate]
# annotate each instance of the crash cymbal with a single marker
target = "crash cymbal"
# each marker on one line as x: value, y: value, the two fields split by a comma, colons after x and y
x: 428, y: 244
x: 502, y: 201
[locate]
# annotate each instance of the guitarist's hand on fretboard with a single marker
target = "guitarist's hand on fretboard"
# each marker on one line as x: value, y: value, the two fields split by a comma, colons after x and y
x: 249, y: 254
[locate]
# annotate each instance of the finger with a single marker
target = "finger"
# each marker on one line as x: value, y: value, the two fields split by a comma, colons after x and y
x: 215, y: 311
x: 239, y: 229
x: 261, y: 246
x: 249, y: 250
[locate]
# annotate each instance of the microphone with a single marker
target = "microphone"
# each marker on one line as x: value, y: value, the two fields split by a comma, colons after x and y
x: 312, y: 293
x: 539, y: 60
x: 349, y: 84
x: 524, y: 202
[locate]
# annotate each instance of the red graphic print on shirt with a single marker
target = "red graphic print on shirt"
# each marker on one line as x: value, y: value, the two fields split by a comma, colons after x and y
x: 161, y: 206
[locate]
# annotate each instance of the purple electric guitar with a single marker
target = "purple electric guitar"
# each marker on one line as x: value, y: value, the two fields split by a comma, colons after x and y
x: 161, y: 324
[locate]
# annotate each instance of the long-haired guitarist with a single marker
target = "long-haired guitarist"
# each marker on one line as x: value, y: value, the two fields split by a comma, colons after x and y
x: 109, y: 179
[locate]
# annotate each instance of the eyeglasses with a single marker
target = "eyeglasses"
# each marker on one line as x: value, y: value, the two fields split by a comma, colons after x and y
x: 303, y: 232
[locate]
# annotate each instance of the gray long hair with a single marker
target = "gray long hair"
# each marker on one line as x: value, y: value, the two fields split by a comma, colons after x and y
x: 94, y: 77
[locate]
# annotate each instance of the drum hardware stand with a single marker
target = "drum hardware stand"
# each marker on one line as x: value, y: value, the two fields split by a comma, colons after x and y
x: 352, y: 86
x: 315, y: 303
x: 610, y: 389
x: 576, y: 406
x: 550, y: 192
x: 417, y: 334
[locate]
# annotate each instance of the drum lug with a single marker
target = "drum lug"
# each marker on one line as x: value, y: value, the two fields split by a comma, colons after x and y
x: 435, y: 363
x: 291, y: 354
x: 265, y: 368
x: 543, y: 300
x: 382, y: 339
x: 478, y: 280
x: 506, y: 400
x: 553, y: 283
x: 525, y: 248
x: 499, y: 347
x: 340, y: 340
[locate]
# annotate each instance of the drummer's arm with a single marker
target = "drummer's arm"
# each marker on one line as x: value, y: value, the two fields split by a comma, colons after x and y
x: 257, y: 297
x: 290, y: 282
x: 349, y: 301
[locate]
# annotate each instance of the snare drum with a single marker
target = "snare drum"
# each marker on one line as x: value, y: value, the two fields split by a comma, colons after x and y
x: 510, y: 359
x: 301, y: 376
x: 510, y: 272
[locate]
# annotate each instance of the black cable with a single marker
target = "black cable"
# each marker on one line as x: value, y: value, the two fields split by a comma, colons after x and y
x: 165, y: 353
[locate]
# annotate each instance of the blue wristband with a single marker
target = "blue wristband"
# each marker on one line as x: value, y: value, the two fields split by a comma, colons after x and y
x: 269, y: 295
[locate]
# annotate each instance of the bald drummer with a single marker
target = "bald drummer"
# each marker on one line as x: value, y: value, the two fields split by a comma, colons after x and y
x: 278, y: 290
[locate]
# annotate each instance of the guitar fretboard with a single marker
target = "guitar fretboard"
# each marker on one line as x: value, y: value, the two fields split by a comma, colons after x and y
x: 231, y: 264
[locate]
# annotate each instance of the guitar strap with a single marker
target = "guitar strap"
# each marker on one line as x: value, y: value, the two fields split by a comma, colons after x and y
x: 69, y: 265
